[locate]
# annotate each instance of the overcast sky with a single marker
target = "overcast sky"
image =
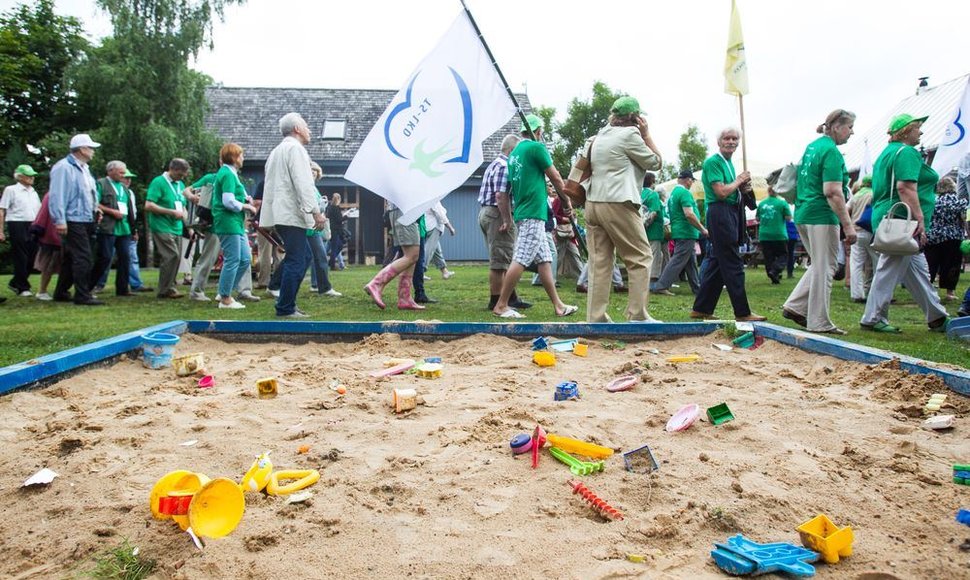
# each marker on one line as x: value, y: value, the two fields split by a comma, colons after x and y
x: 804, y: 58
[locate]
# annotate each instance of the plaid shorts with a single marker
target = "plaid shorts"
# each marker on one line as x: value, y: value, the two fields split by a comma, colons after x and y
x: 531, y: 242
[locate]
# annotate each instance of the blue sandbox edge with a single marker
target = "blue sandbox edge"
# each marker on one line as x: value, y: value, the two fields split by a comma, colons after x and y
x: 32, y: 372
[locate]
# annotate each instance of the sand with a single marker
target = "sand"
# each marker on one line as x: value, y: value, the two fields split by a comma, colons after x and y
x: 435, y: 492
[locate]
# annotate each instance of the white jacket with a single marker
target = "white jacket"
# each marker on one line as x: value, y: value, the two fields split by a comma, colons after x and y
x: 289, y: 195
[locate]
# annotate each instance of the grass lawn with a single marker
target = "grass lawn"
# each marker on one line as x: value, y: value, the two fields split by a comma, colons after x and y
x: 32, y: 328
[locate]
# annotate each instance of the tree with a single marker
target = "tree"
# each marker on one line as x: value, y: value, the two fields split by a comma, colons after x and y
x: 693, y: 148
x: 583, y: 120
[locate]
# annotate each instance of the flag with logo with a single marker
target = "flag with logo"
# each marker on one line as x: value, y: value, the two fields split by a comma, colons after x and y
x: 955, y: 144
x: 429, y: 140
x: 735, y: 64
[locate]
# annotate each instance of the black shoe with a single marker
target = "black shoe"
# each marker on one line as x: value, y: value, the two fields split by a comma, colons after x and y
x: 126, y: 295
x: 520, y: 304
x: 795, y: 317
x: 3, y: 299
x: 962, y: 313
x: 423, y: 299
x: 62, y: 298
x: 839, y: 273
x: 89, y: 302
x: 144, y: 289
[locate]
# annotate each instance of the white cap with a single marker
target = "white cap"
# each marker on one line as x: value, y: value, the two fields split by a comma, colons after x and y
x: 83, y: 140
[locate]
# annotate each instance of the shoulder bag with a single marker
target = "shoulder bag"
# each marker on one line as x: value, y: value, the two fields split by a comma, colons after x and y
x: 578, y: 175
x: 894, y: 236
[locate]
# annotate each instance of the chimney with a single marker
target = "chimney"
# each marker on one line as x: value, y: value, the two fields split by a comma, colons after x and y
x: 923, y: 85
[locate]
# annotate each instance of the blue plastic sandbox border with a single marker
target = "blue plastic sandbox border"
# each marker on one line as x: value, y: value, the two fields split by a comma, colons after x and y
x: 36, y: 372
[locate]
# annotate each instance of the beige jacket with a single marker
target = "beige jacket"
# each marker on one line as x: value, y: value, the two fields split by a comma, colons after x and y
x: 289, y: 195
x: 619, y: 159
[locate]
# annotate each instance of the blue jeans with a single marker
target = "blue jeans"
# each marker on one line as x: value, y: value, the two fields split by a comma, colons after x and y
x: 318, y: 256
x: 134, y: 273
x: 235, y: 255
x: 293, y: 268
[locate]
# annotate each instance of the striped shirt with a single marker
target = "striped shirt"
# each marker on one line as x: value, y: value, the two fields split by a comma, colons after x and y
x: 496, y: 179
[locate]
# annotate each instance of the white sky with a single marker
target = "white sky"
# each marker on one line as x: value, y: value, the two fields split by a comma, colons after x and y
x: 804, y: 58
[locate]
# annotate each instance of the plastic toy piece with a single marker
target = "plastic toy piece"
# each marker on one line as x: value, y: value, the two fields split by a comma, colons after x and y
x: 821, y: 535
x: 267, y: 388
x: 959, y: 328
x: 394, y: 370
x: 570, y: 445
x: 640, y: 460
x: 216, y: 509
x: 432, y: 359
x: 564, y: 345
x: 580, y: 349
x: 938, y: 422
x: 566, y: 390
x: 257, y: 478
x: 176, y: 503
x: 683, y: 418
x: 720, y: 414
x: 606, y: 510
x: 624, y: 383
x: 404, y: 400
x: 963, y: 516
x: 684, y: 358
x: 304, y: 478
x: 961, y: 474
x: 540, y: 343
x: 746, y: 340
x: 936, y: 401
x: 739, y: 556
x: 538, y: 440
x: 429, y: 370
x: 520, y: 444
x: 207, y: 381
x: 576, y: 466
x: 544, y: 359
x: 175, y: 483
x: 189, y: 364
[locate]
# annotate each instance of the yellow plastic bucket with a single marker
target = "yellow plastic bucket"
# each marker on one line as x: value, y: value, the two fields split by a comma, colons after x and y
x: 217, y: 508
x: 179, y: 482
x: 189, y: 364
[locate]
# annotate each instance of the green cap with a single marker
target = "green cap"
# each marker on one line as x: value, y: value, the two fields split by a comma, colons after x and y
x: 900, y: 121
x: 25, y: 170
x: 625, y: 106
x: 534, y: 123
x: 128, y: 173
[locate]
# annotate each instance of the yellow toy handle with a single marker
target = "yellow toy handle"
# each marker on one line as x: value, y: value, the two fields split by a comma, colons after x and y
x: 304, y: 478
x: 578, y: 447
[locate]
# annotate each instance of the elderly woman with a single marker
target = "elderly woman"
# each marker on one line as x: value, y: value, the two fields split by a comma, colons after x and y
x: 620, y: 155
x: 945, y: 235
x: 823, y: 187
x: 229, y: 201
x: 900, y: 174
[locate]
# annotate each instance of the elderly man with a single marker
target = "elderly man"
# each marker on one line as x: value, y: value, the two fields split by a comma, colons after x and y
x: 165, y: 203
x: 18, y: 208
x: 620, y: 155
x: 117, y: 207
x: 723, y: 265
x: 72, y: 209
x: 499, y: 231
x: 290, y: 206
x: 685, y: 230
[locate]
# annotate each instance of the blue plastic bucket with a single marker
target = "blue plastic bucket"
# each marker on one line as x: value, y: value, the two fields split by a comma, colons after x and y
x: 157, y: 349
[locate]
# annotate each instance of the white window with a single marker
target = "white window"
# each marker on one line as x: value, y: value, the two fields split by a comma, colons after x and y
x: 334, y: 129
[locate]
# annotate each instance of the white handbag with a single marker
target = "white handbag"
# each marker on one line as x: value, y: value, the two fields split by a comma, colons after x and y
x: 894, y: 236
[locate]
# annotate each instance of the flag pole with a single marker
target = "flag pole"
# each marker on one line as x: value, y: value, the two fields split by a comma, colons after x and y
x: 562, y: 196
x: 744, y: 138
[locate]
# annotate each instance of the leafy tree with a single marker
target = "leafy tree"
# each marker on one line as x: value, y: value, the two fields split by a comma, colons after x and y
x: 666, y: 173
x: 693, y: 148
x: 583, y: 120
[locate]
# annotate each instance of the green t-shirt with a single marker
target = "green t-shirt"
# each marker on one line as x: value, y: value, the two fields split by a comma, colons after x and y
x: 207, y: 179
x: 909, y: 167
x: 773, y: 212
x: 527, y: 178
x: 650, y: 200
x: 226, y: 222
x: 821, y: 162
x: 680, y: 228
x: 122, y: 227
x: 718, y: 169
x: 167, y: 196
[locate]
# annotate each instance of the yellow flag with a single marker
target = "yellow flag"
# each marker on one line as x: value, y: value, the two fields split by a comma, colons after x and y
x: 735, y: 64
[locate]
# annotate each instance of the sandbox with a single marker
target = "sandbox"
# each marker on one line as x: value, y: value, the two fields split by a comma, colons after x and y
x: 436, y: 492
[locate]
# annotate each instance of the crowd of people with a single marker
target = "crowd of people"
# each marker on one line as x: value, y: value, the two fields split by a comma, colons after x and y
x: 83, y: 225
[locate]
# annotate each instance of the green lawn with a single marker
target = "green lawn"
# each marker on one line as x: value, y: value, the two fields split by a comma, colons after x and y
x: 32, y: 328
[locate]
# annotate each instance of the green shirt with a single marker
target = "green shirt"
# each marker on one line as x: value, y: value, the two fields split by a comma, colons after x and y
x: 718, y: 169
x: 207, y: 179
x: 821, y: 162
x: 773, y: 212
x: 909, y: 166
x: 527, y: 178
x: 650, y: 200
x: 226, y: 222
x: 122, y: 227
x: 680, y: 228
x: 165, y: 195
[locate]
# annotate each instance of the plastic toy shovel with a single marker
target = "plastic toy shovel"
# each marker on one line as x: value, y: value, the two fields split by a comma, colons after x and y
x: 683, y: 418
x: 538, y: 440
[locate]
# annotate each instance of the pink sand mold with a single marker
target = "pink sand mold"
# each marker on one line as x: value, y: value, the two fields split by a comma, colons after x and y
x: 683, y: 418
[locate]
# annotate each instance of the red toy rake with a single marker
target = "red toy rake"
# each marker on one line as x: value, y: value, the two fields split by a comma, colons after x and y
x: 605, y: 509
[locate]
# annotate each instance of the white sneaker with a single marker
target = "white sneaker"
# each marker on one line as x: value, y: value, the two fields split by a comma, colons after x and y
x: 273, y: 293
x: 26, y: 294
x: 249, y: 297
x: 199, y: 296
x: 447, y: 274
x: 232, y: 305
x: 427, y: 277
x: 45, y: 297
x: 332, y: 292
x: 313, y: 288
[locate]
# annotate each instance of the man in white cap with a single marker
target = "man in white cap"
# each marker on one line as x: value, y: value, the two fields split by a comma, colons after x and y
x: 72, y: 208
x: 18, y: 208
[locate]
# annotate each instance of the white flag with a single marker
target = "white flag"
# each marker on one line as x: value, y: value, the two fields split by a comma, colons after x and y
x: 865, y: 168
x: 429, y: 140
x: 955, y: 143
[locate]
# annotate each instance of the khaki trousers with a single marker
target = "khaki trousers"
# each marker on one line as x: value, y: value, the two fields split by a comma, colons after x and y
x: 812, y: 295
x: 617, y: 228
x: 167, y: 246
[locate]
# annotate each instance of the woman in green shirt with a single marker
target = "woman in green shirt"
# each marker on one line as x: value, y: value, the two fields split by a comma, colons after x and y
x: 900, y: 174
x: 819, y: 210
x: 229, y: 201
